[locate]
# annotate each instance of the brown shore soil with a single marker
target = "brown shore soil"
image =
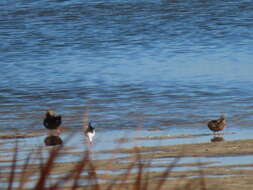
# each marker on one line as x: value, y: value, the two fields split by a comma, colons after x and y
x: 225, y: 148
x: 124, y: 171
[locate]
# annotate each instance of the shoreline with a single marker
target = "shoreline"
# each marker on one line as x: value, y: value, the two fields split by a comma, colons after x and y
x: 151, y: 156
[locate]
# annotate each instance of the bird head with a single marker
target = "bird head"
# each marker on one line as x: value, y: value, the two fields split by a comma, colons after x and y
x: 223, y: 117
x: 89, y: 125
x: 50, y: 113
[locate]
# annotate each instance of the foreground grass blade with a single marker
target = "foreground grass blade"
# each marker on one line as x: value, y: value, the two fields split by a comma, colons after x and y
x: 13, y: 166
x: 46, y: 169
x: 166, y: 173
x: 24, y: 176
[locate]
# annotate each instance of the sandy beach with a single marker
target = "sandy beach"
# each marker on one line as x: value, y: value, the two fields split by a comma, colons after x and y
x: 202, y: 169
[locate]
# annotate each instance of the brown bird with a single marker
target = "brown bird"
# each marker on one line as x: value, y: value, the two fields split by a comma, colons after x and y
x: 217, y: 125
x: 51, y: 120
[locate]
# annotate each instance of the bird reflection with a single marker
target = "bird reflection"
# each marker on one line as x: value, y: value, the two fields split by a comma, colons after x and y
x: 92, y: 175
x: 217, y: 139
x: 53, y: 140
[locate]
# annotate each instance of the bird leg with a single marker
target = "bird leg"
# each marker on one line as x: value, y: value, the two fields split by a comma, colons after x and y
x: 58, y: 131
x: 54, y: 132
x: 50, y: 132
x: 215, y: 134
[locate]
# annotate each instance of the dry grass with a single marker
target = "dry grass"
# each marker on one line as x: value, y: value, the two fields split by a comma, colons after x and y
x: 75, y: 179
x: 85, y: 174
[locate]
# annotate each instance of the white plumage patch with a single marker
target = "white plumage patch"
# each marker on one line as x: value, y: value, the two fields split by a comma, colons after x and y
x: 90, y: 135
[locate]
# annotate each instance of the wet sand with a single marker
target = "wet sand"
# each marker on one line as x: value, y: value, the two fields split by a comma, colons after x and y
x: 225, y: 176
x: 225, y: 148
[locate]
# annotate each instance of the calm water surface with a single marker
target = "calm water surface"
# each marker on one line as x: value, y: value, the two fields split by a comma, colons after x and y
x: 158, y: 64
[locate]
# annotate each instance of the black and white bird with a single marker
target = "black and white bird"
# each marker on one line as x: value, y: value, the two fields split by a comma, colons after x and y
x: 89, y: 132
x: 52, y: 121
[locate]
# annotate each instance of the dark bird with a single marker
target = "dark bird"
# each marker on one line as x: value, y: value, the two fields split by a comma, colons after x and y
x: 217, y: 125
x: 51, y: 120
x: 89, y: 132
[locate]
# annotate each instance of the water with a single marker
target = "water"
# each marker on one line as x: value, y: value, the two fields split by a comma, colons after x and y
x: 158, y: 64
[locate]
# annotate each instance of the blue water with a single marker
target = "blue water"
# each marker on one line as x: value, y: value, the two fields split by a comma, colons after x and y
x: 127, y: 63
